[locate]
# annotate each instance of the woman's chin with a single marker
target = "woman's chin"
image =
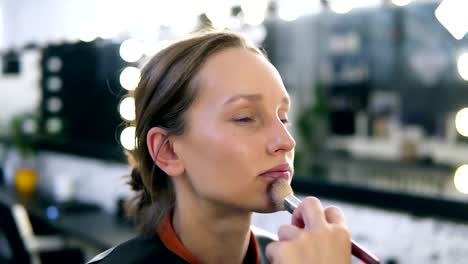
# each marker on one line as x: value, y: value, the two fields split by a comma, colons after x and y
x: 267, y: 209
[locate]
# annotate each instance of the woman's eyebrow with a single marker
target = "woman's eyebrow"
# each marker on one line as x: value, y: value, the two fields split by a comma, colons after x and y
x: 252, y: 97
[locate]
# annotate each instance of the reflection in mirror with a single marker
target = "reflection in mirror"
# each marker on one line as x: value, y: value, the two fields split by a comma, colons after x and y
x: 20, y: 90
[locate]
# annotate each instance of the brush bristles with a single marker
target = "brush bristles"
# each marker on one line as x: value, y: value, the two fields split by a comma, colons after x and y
x: 279, y: 190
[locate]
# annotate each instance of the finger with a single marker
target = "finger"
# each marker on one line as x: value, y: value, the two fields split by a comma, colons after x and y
x: 334, y: 215
x: 288, y: 232
x: 309, y: 214
x: 271, y: 250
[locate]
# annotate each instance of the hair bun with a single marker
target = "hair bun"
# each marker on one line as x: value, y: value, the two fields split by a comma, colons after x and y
x: 136, y: 181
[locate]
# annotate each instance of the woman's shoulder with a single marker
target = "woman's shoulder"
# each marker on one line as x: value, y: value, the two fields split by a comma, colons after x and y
x: 150, y: 249
x: 139, y: 250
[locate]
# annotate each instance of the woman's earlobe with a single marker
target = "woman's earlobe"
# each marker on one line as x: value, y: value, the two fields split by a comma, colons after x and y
x: 162, y: 151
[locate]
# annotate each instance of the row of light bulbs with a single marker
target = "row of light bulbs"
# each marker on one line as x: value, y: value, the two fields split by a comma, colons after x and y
x: 461, y: 175
x: 130, y: 51
x: 145, y: 16
x: 452, y: 15
x: 54, y: 124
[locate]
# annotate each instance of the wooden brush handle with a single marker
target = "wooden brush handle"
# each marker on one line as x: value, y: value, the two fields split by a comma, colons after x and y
x: 362, y: 254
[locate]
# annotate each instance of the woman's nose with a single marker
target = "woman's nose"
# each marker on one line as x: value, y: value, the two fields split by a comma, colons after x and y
x: 280, y: 140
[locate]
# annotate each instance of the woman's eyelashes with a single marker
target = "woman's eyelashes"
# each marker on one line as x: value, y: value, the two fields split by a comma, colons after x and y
x: 251, y: 119
x: 244, y: 119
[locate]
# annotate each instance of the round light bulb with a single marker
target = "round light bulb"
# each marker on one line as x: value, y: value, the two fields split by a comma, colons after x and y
x: 461, y: 179
x: 29, y: 126
x: 341, y: 7
x: 127, y: 138
x: 219, y: 12
x: 461, y: 122
x: 401, y: 2
x: 290, y: 10
x: 129, y: 78
x: 54, y: 125
x: 463, y: 66
x: 289, y: 13
x: 127, y: 108
x: 254, y: 11
x: 54, y: 104
x: 131, y: 50
x: 88, y: 36
x: 54, y: 84
x: 54, y: 64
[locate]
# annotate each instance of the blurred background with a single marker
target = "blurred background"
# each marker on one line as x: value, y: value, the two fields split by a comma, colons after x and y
x: 380, y: 114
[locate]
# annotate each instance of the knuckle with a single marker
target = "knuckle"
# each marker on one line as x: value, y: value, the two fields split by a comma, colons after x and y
x: 311, y: 201
x: 314, y: 234
x: 334, y: 213
x: 342, y: 232
x: 334, y: 209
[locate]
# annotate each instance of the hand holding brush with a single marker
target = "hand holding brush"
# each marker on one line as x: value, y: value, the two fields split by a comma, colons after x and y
x: 317, y: 235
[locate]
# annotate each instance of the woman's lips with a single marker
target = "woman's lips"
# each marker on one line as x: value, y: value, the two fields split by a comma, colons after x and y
x: 282, y: 171
x: 286, y: 175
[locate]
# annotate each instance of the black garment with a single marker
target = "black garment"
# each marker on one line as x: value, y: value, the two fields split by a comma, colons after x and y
x: 144, y: 249
x: 139, y: 250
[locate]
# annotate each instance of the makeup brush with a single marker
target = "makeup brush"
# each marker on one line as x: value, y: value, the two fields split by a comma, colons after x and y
x: 284, y: 199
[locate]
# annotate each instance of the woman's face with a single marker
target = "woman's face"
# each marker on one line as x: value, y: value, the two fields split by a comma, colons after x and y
x: 236, y: 130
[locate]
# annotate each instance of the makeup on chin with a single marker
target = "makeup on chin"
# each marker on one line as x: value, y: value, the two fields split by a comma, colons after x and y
x: 284, y: 199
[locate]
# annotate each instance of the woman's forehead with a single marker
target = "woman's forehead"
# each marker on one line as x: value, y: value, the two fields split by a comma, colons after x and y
x: 238, y: 71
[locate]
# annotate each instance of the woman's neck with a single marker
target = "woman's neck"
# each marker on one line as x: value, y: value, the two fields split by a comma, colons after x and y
x: 212, y: 235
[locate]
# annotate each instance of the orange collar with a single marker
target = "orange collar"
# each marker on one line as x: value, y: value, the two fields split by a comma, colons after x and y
x: 169, y: 238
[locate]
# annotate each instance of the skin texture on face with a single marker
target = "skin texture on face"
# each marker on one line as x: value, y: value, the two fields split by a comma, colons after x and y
x: 236, y: 129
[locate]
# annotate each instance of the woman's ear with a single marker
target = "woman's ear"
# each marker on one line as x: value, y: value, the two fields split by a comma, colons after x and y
x: 162, y: 152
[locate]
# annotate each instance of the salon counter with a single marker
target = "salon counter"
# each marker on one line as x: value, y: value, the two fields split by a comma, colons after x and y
x: 439, y: 207
x: 90, y: 224
x: 103, y: 230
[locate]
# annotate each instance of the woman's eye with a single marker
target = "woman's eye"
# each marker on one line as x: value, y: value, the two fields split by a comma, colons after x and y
x: 244, y: 120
